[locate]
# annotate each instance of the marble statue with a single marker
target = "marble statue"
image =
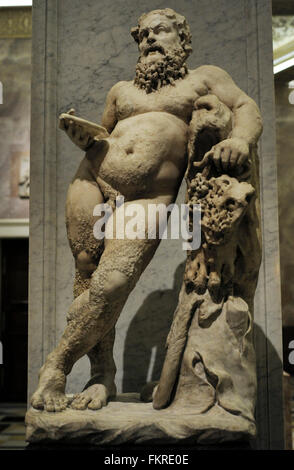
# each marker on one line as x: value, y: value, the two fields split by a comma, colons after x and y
x: 167, y: 123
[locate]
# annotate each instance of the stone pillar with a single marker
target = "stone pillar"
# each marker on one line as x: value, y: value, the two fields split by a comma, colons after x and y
x: 79, y: 52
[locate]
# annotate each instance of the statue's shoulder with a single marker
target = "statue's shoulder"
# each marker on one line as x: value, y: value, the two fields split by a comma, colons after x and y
x: 212, y: 78
x: 115, y: 89
x: 209, y: 72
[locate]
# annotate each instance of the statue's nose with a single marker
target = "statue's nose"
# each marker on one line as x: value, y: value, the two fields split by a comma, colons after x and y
x: 151, y: 39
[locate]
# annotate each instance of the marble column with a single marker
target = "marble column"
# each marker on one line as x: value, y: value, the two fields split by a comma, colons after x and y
x: 79, y: 51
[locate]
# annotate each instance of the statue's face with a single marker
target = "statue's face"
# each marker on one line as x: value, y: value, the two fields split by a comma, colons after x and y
x: 157, y: 37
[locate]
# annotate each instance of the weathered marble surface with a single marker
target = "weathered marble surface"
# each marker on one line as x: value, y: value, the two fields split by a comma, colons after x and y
x: 135, y: 422
x: 80, y: 72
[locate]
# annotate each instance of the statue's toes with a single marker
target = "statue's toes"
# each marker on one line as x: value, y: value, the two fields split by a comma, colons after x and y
x: 97, y: 403
x: 37, y: 401
x: 80, y: 402
x: 49, y: 405
x: 75, y: 399
x: 92, y: 398
x: 61, y: 404
x: 55, y: 402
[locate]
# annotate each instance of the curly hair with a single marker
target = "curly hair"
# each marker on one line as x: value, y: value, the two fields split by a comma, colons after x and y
x: 178, y: 20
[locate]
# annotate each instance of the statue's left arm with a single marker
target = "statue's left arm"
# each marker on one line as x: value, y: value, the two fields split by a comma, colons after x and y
x: 247, y: 123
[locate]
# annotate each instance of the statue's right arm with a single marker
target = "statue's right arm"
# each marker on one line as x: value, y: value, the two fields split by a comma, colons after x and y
x: 79, y: 133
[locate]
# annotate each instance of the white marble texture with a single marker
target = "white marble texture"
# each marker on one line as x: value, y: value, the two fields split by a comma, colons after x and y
x: 84, y: 49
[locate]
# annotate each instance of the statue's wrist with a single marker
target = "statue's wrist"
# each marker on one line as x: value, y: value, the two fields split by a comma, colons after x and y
x: 241, y: 139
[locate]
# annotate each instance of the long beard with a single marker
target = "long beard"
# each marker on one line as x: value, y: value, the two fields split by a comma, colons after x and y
x: 152, y: 76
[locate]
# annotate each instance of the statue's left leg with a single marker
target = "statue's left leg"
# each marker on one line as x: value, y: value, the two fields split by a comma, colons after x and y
x: 101, y: 385
x: 82, y: 197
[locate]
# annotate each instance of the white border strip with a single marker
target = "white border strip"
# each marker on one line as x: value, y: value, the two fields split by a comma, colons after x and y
x: 14, y: 228
x: 284, y: 65
x: 16, y: 3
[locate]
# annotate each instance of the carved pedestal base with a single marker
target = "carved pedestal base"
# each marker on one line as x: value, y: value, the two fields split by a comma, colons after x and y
x: 129, y: 421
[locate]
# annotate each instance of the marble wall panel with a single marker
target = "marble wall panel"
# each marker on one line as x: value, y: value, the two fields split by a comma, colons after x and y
x: 15, y: 77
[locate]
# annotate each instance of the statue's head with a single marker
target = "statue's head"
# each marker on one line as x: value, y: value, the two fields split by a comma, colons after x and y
x: 164, y: 42
x: 165, y: 30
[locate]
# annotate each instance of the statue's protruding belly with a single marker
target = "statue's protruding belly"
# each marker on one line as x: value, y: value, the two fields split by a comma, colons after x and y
x: 139, y: 147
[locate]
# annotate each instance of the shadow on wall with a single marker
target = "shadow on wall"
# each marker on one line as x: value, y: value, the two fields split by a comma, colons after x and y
x: 144, y: 351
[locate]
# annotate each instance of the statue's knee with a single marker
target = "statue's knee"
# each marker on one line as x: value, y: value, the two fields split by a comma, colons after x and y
x: 77, y: 306
x: 85, y: 263
x: 115, y: 284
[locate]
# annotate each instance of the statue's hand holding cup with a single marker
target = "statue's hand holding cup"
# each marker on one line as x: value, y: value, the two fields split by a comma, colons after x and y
x: 83, y: 133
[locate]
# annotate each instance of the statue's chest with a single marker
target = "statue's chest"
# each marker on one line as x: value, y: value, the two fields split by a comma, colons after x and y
x: 133, y: 101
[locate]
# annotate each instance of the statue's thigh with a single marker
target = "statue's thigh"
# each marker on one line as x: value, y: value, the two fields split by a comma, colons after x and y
x: 82, y: 197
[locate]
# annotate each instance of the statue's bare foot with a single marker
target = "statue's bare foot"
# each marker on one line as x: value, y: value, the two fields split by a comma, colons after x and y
x: 50, y: 395
x: 94, y: 397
